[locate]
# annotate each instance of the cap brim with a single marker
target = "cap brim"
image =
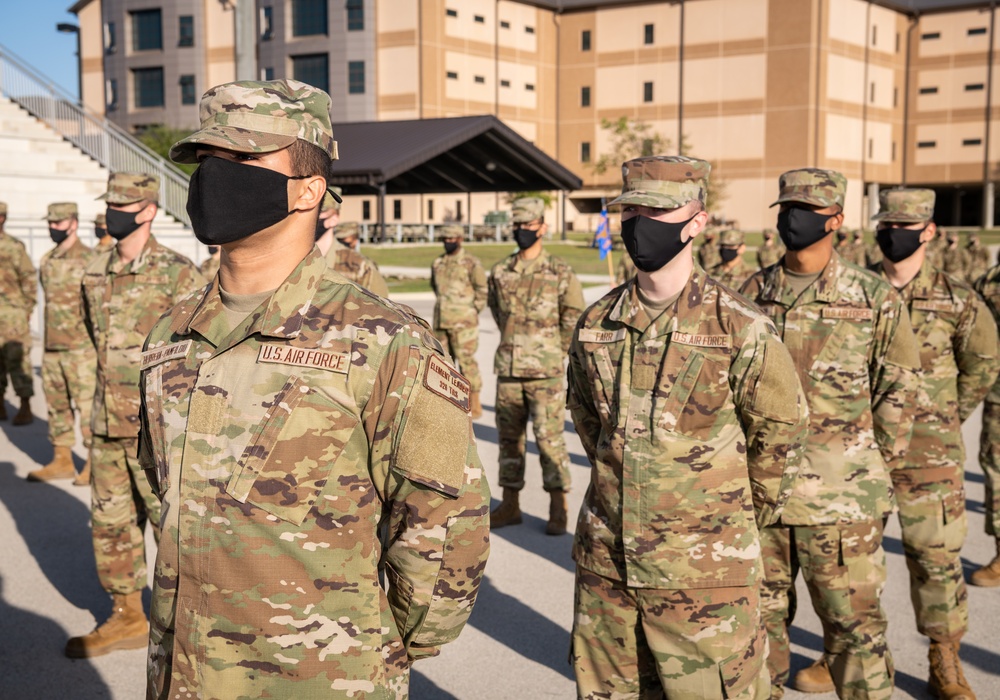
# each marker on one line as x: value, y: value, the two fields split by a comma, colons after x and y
x: 656, y: 200
x: 802, y: 199
x: 230, y: 138
x: 111, y: 198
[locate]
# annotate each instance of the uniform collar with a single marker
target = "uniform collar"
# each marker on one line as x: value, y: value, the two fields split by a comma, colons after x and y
x: 516, y: 264
x: 825, y: 289
x: 683, y: 316
x: 117, y: 267
x: 72, y: 251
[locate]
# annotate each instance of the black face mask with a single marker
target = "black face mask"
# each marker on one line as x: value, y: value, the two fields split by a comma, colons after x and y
x: 228, y: 202
x: 800, y: 228
x: 841, y: 237
x: 451, y: 246
x: 729, y: 254
x: 121, y: 223
x: 652, y: 244
x: 100, y: 233
x: 58, y: 236
x: 898, y: 243
x: 525, y: 237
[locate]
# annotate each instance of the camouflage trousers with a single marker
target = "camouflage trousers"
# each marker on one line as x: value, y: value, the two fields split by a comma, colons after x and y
x: 989, y: 460
x: 462, y: 343
x: 932, y: 515
x: 844, y: 569
x: 68, y: 377
x: 697, y: 644
x: 15, y: 360
x: 121, y: 502
x: 544, y: 401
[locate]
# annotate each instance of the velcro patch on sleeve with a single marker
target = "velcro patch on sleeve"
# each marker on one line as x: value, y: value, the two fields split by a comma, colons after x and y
x: 928, y: 305
x: 447, y: 382
x: 167, y: 352
x: 849, y: 313
x: 702, y: 341
x: 302, y: 357
x: 594, y: 335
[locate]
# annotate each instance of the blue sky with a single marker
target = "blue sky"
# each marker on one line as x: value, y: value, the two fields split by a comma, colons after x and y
x: 29, y: 31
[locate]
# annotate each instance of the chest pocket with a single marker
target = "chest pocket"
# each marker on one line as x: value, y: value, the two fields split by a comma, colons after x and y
x: 842, y: 361
x: 604, y: 377
x: 292, y: 452
x: 934, y: 325
x: 696, y: 394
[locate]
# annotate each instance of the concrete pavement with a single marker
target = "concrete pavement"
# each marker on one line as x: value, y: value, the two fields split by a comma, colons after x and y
x: 517, y: 641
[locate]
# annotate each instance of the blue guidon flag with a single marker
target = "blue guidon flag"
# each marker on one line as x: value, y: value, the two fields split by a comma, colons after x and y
x: 603, y: 234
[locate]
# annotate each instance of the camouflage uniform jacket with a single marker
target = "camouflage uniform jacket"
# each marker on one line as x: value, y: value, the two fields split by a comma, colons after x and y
x: 978, y: 262
x: 61, y: 272
x: 769, y: 255
x: 708, y: 254
x: 953, y: 261
x: 959, y: 362
x: 18, y: 288
x: 319, y: 445
x: 121, y: 302
x: 847, y: 250
x: 626, y: 269
x: 693, y: 423
x: 357, y: 268
x: 734, y: 277
x: 210, y: 267
x: 536, y: 305
x: 850, y: 337
x: 459, y: 283
x: 988, y: 287
x: 105, y: 247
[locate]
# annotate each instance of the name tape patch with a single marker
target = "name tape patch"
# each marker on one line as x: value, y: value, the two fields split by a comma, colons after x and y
x: 447, y: 382
x: 927, y: 305
x: 702, y: 341
x: 167, y: 352
x: 592, y: 335
x: 300, y: 357
x: 848, y: 312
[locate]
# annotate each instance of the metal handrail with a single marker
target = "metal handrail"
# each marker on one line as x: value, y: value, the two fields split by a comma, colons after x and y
x: 106, y: 142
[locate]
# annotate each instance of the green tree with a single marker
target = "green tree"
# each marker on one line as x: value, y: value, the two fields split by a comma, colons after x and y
x: 546, y: 197
x: 159, y: 138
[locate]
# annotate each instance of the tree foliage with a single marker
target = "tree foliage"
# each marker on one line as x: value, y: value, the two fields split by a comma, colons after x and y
x: 160, y: 138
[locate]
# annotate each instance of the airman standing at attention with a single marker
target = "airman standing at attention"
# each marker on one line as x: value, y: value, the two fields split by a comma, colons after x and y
x: 18, y: 293
x: 708, y: 252
x: 325, y: 510
x: 104, y: 241
x: 733, y: 270
x: 626, y: 270
x: 989, y: 444
x: 460, y: 291
x: 844, y: 245
x: 125, y: 290
x: 850, y: 338
x: 770, y: 251
x: 954, y: 260
x: 691, y: 414
x: 69, y: 367
x: 338, y: 242
x: 535, y: 300
x: 978, y: 259
x: 860, y: 250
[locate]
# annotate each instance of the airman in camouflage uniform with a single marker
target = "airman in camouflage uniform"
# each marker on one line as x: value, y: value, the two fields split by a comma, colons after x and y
x: 845, y: 247
x: 691, y: 414
x: 209, y: 268
x: 850, y: 338
x: 536, y: 301
x: 626, y: 270
x: 771, y: 251
x: 989, y: 444
x: 978, y: 259
x: 18, y: 293
x: 307, y: 445
x: 953, y: 260
x: 733, y: 271
x: 708, y: 252
x: 69, y: 368
x: 460, y: 291
x: 959, y: 361
x: 125, y: 290
x: 343, y: 257
x: 104, y: 241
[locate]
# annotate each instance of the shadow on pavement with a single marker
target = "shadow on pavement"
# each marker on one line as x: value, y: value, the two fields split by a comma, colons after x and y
x: 34, y: 666
x: 33, y: 439
x: 422, y: 687
x: 488, y: 433
x: 515, y: 625
x: 911, y: 685
x: 530, y: 536
x: 55, y: 526
x: 983, y: 659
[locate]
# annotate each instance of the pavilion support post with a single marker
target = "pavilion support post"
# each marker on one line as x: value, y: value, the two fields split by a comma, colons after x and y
x: 381, y: 212
x: 468, y: 214
x: 562, y: 222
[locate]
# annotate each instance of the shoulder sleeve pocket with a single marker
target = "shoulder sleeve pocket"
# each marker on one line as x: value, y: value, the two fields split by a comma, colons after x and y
x: 775, y: 394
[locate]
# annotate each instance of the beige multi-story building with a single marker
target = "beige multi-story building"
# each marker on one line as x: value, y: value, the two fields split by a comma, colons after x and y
x: 887, y: 91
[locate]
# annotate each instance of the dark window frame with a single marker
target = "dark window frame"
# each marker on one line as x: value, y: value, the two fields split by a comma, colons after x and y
x: 976, y: 31
x: 310, y: 63
x: 448, y: 12
x: 478, y: 19
x: 481, y: 79
x: 585, y: 151
x: 585, y: 96
x: 185, y: 36
x: 356, y: 79
x: 366, y: 210
x: 266, y: 23
x: 451, y: 75
x: 310, y: 18
x: 528, y: 29
x: 355, y: 15
x: 188, y: 94
x: 397, y: 210
x: 926, y: 144
x: 143, y: 81
x: 530, y: 87
x: 585, y: 40
x: 972, y: 142
x: 505, y: 83
x: 930, y: 35
x: 975, y: 87
x: 504, y: 24
x: 147, y: 35
x: 648, y: 35
x: 928, y: 90
x: 647, y: 92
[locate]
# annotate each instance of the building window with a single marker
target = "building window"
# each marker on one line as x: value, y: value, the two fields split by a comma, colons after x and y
x: 530, y: 87
x: 585, y: 40
x: 313, y: 69
x: 147, y: 30
x: 585, y: 96
x: 931, y: 35
x: 529, y: 30
x: 451, y: 13
x: 366, y: 210
x: 185, y: 30
x: 928, y: 91
x: 647, y: 35
x: 504, y: 83
x: 647, y: 92
x: 111, y: 91
x: 266, y: 23
x: 308, y: 17
x: 356, y: 77
x: 110, y: 38
x: 267, y: 73
x: 187, y: 90
x: 148, y: 87
x: 480, y: 79
x: 397, y: 209
x: 479, y: 19
x: 972, y: 142
x: 355, y: 15
x: 926, y: 144
x: 451, y: 75
x: 585, y: 152
x: 973, y: 87
x: 976, y: 31
x: 430, y: 209
x: 504, y: 24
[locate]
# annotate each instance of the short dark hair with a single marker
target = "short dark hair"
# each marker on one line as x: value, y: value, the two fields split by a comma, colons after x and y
x: 308, y: 160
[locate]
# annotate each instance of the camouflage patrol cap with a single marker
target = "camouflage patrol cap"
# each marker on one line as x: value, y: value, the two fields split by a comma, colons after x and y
x: 731, y: 238
x: 452, y: 231
x: 351, y: 228
x: 128, y: 188
x: 905, y: 205
x: 663, y: 182
x: 250, y: 116
x: 527, y: 209
x: 332, y: 199
x: 821, y: 188
x: 101, y: 220
x: 60, y: 211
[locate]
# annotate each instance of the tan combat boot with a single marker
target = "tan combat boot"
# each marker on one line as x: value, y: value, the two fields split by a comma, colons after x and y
x: 83, y: 478
x: 127, y: 628
x: 24, y: 415
x: 947, y: 681
x: 475, y: 408
x: 509, y: 510
x: 61, y: 467
x: 989, y: 575
x: 557, y: 513
x: 815, y: 678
